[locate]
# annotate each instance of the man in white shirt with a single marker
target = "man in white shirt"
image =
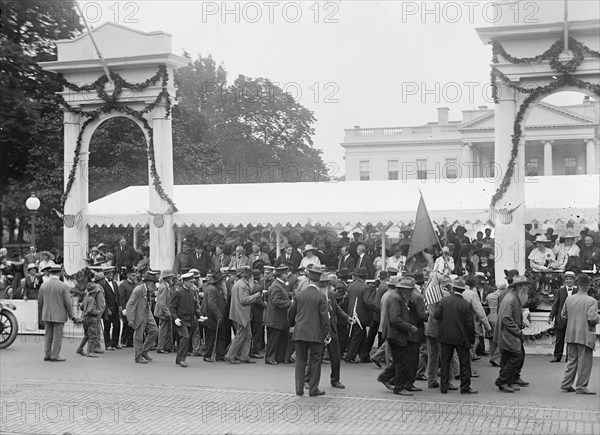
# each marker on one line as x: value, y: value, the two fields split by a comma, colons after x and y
x: 445, y: 263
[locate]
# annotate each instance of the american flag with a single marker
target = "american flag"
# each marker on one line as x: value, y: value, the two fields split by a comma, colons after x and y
x: 433, y: 291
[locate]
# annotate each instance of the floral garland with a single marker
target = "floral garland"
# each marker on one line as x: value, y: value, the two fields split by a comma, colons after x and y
x: 534, y: 94
x: 111, y: 102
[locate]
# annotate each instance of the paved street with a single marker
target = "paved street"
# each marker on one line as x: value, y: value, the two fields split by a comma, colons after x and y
x: 111, y: 394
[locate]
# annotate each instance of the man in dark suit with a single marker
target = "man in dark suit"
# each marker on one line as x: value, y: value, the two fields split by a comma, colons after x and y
x: 125, y: 255
x: 215, y: 308
x: 113, y: 309
x: 125, y: 289
x: 290, y: 254
x: 341, y: 296
x: 361, y: 298
x: 365, y: 261
x: 560, y: 323
x: 182, y: 260
x: 309, y: 317
x: 456, y: 332
x: 185, y: 310
x: 200, y: 259
x: 276, y: 318
x: 220, y: 259
x: 346, y: 260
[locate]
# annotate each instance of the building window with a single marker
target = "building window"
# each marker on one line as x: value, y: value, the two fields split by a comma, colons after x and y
x: 393, y: 169
x: 533, y: 167
x: 571, y: 165
x: 364, y: 167
x: 421, y: 169
x: 451, y: 168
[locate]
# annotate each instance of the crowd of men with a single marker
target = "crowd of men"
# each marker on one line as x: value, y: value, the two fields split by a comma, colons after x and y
x: 429, y: 325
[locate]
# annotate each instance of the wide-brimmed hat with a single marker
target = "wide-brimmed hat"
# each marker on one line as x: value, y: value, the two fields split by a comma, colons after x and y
x: 325, y: 277
x: 48, y: 266
x: 459, y: 283
x: 344, y: 272
x: 246, y: 271
x: 216, y: 277
x: 460, y: 228
x: 406, y: 283
x: 150, y: 277
x: 48, y: 253
x: 392, y: 271
x: 314, y: 274
x: 94, y: 248
x: 281, y: 270
x: 167, y: 274
x: 101, y: 245
x: 542, y: 239
x: 56, y: 268
x: 344, y: 233
x: 362, y: 272
x: 309, y: 248
x: 583, y: 279
x: 196, y: 273
x: 569, y: 235
x: 31, y: 266
x: 393, y: 281
x: 519, y: 280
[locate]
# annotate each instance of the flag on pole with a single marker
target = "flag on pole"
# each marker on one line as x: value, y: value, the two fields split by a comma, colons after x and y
x: 424, y: 234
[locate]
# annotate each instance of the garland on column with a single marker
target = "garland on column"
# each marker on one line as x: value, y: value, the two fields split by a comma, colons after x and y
x: 566, y: 78
x: 111, y: 102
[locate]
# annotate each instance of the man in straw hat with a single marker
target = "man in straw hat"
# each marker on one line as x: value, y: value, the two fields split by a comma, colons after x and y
x: 140, y: 318
x: 309, y: 317
x: 509, y: 335
x: 581, y: 310
x: 560, y: 323
x: 456, y: 332
x: 54, y: 308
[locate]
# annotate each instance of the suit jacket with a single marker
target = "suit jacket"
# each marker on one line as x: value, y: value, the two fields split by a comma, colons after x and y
x: 215, y: 306
x: 185, y: 305
x: 163, y: 302
x: 219, y: 262
x: 239, y: 262
x: 278, y: 305
x: 125, y: 257
x: 510, y: 322
x: 368, y: 263
x: 203, y: 263
x: 111, y: 294
x: 456, y: 325
x: 241, y: 300
x: 182, y: 261
x: 361, y: 296
x: 336, y: 314
x: 396, y: 324
x: 582, y: 312
x: 125, y: 290
x: 349, y: 263
x: 54, y: 302
x: 559, y: 301
x: 309, y: 316
x: 295, y: 258
x: 138, y: 306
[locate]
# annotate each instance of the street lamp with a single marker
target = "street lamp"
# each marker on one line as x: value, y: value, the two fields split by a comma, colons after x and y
x: 32, y: 204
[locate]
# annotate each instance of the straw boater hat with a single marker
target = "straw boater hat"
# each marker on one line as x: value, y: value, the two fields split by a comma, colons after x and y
x: 541, y: 239
x: 31, y: 266
x: 309, y: 248
x: 569, y: 235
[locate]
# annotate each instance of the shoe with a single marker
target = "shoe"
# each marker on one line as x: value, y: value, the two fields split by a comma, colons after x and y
x: 366, y: 360
x: 247, y: 361
x: 80, y: 352
x: 289, y: 361
x: 271, y: 362
x: 100, y: 351
x: 317, y: 393
x: 220, y: 359
x: 515, y: 388
x: 256, y: 356
x: 403, y: 393
x: 377, y: 363
x: 568, y: 390
x: 91, y: 355
x: 197, y: 354
x: 494, y: 364
x: 119, y: 347
x: 584, y: 391
x: 555, y: 360
x: 387, y: 384
x: 147, y: 357
x: 141, y: 361
x: 182, y: 363
x: 46, y: 359
x: 435, y: 384
x: 484, y: 353
x: 232, y: 361
x: 59, y: 359
x: 351, y: 361
x: 452, y: 387
x: 208, y: 359
x: 421, y: 378
x: 521, y: 383
x: 413, y: 388
x: 306, y: 386
x: 469, y: 391
x: 338, y: 384
x: 505, y: 388
x: 476, y: 358
x: 110, y: 348
x: 162, y: 351
x: 300, y: 394
x: 473, y: 375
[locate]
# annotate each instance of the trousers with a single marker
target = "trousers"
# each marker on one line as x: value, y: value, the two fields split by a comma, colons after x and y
x: 140, y: 345
x: 53, y: 336
x: 464, y: 358
x: 314, y: 365
x: 580, y: 364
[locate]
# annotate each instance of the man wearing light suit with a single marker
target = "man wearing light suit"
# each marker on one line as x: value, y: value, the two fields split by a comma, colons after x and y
x: 141, y: 319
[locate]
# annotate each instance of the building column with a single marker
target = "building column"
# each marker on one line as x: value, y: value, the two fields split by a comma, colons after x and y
x: 135, y: 236
x: 162, y: 239
x: 75, y: 235
x: 467, y: 159
x: 548, y: 157
x: 590, y: 157
x: 510, y: 238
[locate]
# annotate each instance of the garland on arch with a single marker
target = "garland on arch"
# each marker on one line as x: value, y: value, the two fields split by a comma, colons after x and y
x: 111, y: 102
x: 552, y: 55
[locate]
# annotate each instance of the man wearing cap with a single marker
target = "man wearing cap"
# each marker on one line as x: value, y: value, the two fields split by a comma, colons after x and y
x: 509, y: 335
x: 215, y: 307
x: 309, y: 316
x: 111, y: 319
x: 276, y: 318
x: 125, y: 290
x: 560, y: 323
x: 239, y: 313
x: 541, y: 258
x: 140, y: 318
x: 361, y: 303
x: 445, y: 263
x: 581, y: 310
x: 163, y: 313
x: 54, y: 308
x: 456, y: 332
x: 185, y: 310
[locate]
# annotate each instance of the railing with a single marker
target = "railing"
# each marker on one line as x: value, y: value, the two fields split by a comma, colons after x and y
x: 400, y: 131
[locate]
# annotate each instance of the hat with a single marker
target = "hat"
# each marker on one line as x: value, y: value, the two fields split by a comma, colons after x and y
x: 271, y: 268
x: 445, y: 249
x: 480, y: 274
x: 460, y: 228
x: 148, y: 276
x: 325, y: 277
x: 344, y: 273
x: 95, y: 248
x: 125, y: 269
x: 519, y: 280
x: 47, y: 266
x: 256, y: 273
x: 569, y: 235
x: 186, y: 276
x: 258, y: 264
x: 583, y: 280
x: 569, y: 273
x: 362, y: 272
x: 357, y: 231
x: 459, y: 283
x: 195, y: 272
x: 280, y: 270
x: 393, y: 281
x: 314, y: 274
x: 31, y: 266
x: 98, y: 276
x: 406, y: 283
x: 56, y: 268
x: 541, y: 239
x: 107, y: 269
x: 344, y: 233
x: 101, y: 245
x: 48, y: 253
x: 167, y: 274
x: 309, y: 248
x: 510, y: 273
x: 383, y: 274
x: 216, y: 277
x: 246, y: 271
x: 392, y: 271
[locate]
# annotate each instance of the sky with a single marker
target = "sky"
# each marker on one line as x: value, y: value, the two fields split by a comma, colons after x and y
x: 353, y: 63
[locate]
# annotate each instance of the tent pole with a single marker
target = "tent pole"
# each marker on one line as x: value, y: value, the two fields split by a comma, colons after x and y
x: 278, y: 239
x: 179, y: 237
x: 135, y: 237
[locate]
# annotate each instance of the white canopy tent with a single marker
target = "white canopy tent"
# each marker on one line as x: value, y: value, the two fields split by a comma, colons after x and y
x: 548, y: 199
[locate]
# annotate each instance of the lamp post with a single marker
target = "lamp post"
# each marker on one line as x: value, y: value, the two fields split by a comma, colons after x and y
x: 32, y: 204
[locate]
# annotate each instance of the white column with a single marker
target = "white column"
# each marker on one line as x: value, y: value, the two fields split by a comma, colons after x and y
x: 135, y: 236
x: 162, y: 240
x: 590, y: 157
x: 75, y: 239
x: 278, y: 240
x: 510, y: 238
x: 179, y: 236
x: 467, y: 161
x: 548, y: 157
